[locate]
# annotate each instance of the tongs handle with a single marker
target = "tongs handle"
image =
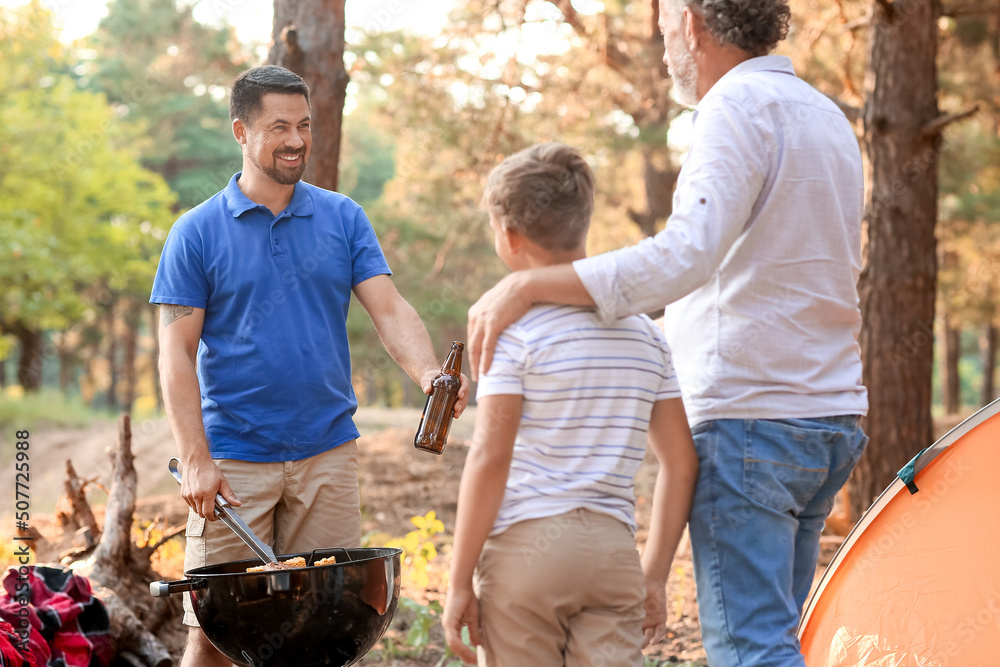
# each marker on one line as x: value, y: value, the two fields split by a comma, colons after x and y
x: 228, y: 516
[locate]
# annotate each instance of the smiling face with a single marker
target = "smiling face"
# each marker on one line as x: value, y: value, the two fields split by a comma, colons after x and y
x: 278, y: 140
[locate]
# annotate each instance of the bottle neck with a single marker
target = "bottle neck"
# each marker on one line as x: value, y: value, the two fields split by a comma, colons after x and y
x: 453, y: 364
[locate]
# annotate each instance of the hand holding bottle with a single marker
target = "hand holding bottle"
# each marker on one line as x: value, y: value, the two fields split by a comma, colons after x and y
x: 435, y: 423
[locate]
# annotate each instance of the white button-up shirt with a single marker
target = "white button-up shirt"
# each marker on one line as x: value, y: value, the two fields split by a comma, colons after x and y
x: 759, y: 261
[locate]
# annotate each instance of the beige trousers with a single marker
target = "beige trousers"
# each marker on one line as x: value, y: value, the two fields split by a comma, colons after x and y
x: 563, y: 590
x: 294, y: 505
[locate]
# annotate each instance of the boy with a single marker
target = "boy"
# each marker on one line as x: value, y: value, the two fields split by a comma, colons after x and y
x: 546, y: 510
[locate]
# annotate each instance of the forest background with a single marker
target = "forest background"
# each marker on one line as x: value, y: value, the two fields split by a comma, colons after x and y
x: 107, y: 138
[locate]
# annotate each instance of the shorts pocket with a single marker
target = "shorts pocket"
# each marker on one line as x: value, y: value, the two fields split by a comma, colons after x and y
x: 195, y: 525
x: 785, y: 464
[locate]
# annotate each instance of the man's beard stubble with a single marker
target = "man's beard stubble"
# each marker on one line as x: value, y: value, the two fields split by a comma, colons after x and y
x: 684, y: 73
x: 282, y: 176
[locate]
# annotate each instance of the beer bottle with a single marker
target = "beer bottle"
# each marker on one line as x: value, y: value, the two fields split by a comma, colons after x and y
x: 435, y: 423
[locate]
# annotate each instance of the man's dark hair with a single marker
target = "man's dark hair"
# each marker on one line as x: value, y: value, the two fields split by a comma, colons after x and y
x: 754, y: 26
x: 251, y: 87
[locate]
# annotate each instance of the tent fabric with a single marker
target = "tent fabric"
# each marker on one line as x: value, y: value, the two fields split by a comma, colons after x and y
x: 917, y: 582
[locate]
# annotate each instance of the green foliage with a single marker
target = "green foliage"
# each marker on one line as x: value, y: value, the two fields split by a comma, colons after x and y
x: 79, y: 214
x: 169, y: 73
x: 425, y: 619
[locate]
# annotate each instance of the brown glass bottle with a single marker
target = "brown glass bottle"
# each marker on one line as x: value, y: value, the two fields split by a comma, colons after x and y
x: 435, y: 423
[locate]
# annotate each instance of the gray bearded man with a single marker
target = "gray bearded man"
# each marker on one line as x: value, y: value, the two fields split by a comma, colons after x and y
x: 758, y: 267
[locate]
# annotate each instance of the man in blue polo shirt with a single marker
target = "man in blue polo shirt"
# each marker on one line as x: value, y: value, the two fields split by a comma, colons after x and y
x: 254, y: 286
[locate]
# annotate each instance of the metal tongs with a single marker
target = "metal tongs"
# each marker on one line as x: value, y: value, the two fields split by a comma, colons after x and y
x: 228, y: 516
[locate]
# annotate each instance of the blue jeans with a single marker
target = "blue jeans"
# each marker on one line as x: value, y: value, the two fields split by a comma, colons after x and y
x: 764, y: 489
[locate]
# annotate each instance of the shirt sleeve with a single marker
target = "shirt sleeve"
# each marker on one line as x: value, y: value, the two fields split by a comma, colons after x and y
x: 367, y: 258
x: 506, y: 374
x: 180, y: 275
x: 718, y: 186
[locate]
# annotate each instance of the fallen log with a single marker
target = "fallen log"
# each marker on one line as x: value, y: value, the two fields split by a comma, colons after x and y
x: 120, y: 571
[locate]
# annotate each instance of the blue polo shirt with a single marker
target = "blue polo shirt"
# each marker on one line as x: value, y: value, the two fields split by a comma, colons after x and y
x: 273, y: 362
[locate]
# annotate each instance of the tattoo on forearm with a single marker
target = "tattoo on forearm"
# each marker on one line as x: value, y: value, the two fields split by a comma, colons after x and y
x: 170, y: 313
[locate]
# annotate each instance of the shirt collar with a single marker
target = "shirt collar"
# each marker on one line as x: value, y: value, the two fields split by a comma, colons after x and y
x: 238, y: 203
x: 782, y: 64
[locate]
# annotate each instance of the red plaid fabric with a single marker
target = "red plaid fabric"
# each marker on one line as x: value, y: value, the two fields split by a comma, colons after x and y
x: 68, y: 625
x: 10, y: 654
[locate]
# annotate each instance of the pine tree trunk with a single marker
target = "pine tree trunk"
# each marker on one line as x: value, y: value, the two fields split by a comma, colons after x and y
x: 66, y: 367
x: 653, y: 117
x: 112, y: 355
x: 309, y: 40
x: 897, y: 285
x: 132, y: 315
x: 951, y: 382
x: 988, y: 350
x: 31, y: 359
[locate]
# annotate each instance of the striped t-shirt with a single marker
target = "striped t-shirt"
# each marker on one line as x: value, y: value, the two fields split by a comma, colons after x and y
x: 588, y: 390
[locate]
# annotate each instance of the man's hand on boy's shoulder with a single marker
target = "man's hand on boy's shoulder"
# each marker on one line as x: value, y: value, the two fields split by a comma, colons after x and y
x: 497, y: 309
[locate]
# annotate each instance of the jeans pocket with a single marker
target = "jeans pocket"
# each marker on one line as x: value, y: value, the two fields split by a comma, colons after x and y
x: 785, y: 463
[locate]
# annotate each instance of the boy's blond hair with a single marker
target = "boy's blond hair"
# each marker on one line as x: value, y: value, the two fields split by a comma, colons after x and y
x: 545, y: 192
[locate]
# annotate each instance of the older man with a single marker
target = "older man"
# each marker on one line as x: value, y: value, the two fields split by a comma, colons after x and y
x: 758, y: 266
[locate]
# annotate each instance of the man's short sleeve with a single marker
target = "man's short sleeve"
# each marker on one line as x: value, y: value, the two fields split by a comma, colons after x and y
x: 506, y: 374
x: 367, y: 257
x: 180, y: 276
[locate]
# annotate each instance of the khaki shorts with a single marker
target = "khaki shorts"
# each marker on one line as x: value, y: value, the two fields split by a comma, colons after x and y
x: 563, y: 590
x: 295, y: 506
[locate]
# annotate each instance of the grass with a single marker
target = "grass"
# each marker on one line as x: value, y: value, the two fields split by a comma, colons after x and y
x: 47, y: 407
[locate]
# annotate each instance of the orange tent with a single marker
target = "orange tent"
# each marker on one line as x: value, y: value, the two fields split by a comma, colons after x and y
x: 917, y: 582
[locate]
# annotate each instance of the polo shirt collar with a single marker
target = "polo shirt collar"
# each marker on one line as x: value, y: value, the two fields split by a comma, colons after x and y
x: 238, y: 203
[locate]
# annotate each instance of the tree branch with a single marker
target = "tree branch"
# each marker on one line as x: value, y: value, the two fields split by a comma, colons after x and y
x: 860, y: 22
x: 614, y: 57
x: 937, y: 125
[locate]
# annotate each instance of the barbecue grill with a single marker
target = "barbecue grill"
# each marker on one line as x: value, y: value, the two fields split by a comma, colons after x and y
x: 329, y: 615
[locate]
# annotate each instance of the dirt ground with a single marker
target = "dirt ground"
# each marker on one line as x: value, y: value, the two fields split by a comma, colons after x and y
x: 397, y: 483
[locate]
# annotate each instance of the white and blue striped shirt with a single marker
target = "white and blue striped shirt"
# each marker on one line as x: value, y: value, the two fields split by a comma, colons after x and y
x: 588, y: 389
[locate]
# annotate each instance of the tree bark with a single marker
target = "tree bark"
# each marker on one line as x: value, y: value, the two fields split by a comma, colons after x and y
x: 72, y: 509
x: 897, y: 285
x: 112, y: 352
x: 951, y: 383
x: 132, y: 315
x: 120, y: 571
x: 3, y: 374
x: 67, y: 364
x: 309, y: 40
x: 32, y: 358
x: 988, y: 351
